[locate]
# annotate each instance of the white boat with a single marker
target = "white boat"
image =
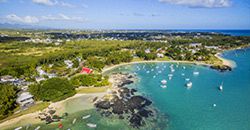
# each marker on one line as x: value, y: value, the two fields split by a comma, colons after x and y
x: 86, y: 117
x: 154, y: 76
x: 164, y: 86
x: 170, y: 75
x: 196, y: 73
x: 38, y: 127
x: 164, y: 81
x: 91, y: 125
x: 221, y: 87
x: 183, y: 74
x: 159, y: 71
x: 187, y: 79
x: 189, y: 84
x: 184, y: 67
x: 74, y: 121
x: 172, y: 70
x: 214, y: 105
x: 18, y: 128
x: 147, y: 72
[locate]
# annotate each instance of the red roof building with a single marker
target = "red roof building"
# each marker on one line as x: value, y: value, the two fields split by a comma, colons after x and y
x: 86, y: 70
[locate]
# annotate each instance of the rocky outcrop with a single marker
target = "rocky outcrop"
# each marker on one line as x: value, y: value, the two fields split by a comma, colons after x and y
x: 221, y: 68
x: 125, y: 103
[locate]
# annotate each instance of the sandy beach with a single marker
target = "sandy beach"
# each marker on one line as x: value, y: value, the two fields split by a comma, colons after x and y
x: 227, y: 62
x: 78, y: 102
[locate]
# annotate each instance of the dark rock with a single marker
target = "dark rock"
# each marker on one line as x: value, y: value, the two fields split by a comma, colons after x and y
x: 136, y: 121
x: 103, y: 105
x: 221, y: 68
x: 145, y: 113
x: 125, y: 82
x: 138, y: 102
x: 95, y: 99
x: 119, y: 107
x: 132, y: 91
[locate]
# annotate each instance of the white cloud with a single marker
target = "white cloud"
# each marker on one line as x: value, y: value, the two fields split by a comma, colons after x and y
x: 26, y: 19
x: 67, y: 5
x: 63, y: 17
x: 45, y: 2
x: 53, y: 3
x: 200, y: 3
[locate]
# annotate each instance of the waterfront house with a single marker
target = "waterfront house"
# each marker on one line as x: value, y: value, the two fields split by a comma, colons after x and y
x: 86, y: 70
x: 25, y: 99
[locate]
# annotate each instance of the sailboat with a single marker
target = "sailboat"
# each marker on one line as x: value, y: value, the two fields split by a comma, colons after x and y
x: 221, y: 87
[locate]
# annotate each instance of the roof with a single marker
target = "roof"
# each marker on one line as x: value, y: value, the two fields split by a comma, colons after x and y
x: 86, y: 70
x: 24, y: 96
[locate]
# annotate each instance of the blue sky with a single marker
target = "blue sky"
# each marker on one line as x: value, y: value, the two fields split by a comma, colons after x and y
x: 128, y: 14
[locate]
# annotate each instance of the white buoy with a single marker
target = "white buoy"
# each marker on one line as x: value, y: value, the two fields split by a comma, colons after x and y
x: 164, y: 86
x: 164, y: 81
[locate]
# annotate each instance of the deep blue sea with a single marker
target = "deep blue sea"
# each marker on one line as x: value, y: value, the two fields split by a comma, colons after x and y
x: 203, y: 106
x: 228, y: 32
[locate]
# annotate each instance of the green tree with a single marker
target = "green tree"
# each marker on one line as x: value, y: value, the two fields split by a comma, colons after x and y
x: 53, y: 89
x: 7, y: 99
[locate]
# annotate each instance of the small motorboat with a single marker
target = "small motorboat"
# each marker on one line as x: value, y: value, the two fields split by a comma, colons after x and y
x: 91, y: 125
x: 184, y: 67
x: 74, y: 121
x: 182, y: 74
x: 163, y: 86
x: 154, y: 76
x: 189, y: 84
x: 164, y: 81
x: 196, y: 73
x: 86, y: 117
x: 38, y: 127
x: 148, y: 72
x: 187, y: 79
x: 18, y: 128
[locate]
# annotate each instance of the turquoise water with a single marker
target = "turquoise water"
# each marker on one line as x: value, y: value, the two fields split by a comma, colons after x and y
x: 181, y: 108
x: 192, y: 109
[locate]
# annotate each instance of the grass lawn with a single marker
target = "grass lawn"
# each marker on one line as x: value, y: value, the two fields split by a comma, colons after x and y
x: 92, y: 90
x: 165, y: 58
x: 35, y: 108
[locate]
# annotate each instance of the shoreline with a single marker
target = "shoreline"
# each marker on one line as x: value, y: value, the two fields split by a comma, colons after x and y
x: 225, y: 62
x: 32, y: 118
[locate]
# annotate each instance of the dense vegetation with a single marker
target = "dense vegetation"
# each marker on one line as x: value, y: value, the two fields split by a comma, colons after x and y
x: 7, y: 99
x: 53, y: 89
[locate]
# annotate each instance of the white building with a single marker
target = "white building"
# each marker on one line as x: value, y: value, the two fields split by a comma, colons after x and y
x: 69, y: 63
x: 25, y: 99
x: 160, y: 55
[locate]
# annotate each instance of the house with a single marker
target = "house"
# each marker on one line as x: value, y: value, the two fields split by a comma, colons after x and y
x: 147, y: 51
x: 25, y: 99
x: 69, y: 63
x: 86, y: 70
x: 7, y: 78
x: 159, y: 55
x: 195, y: 44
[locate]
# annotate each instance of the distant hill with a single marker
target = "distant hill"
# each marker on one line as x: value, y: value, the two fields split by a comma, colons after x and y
x: 20, y: 26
